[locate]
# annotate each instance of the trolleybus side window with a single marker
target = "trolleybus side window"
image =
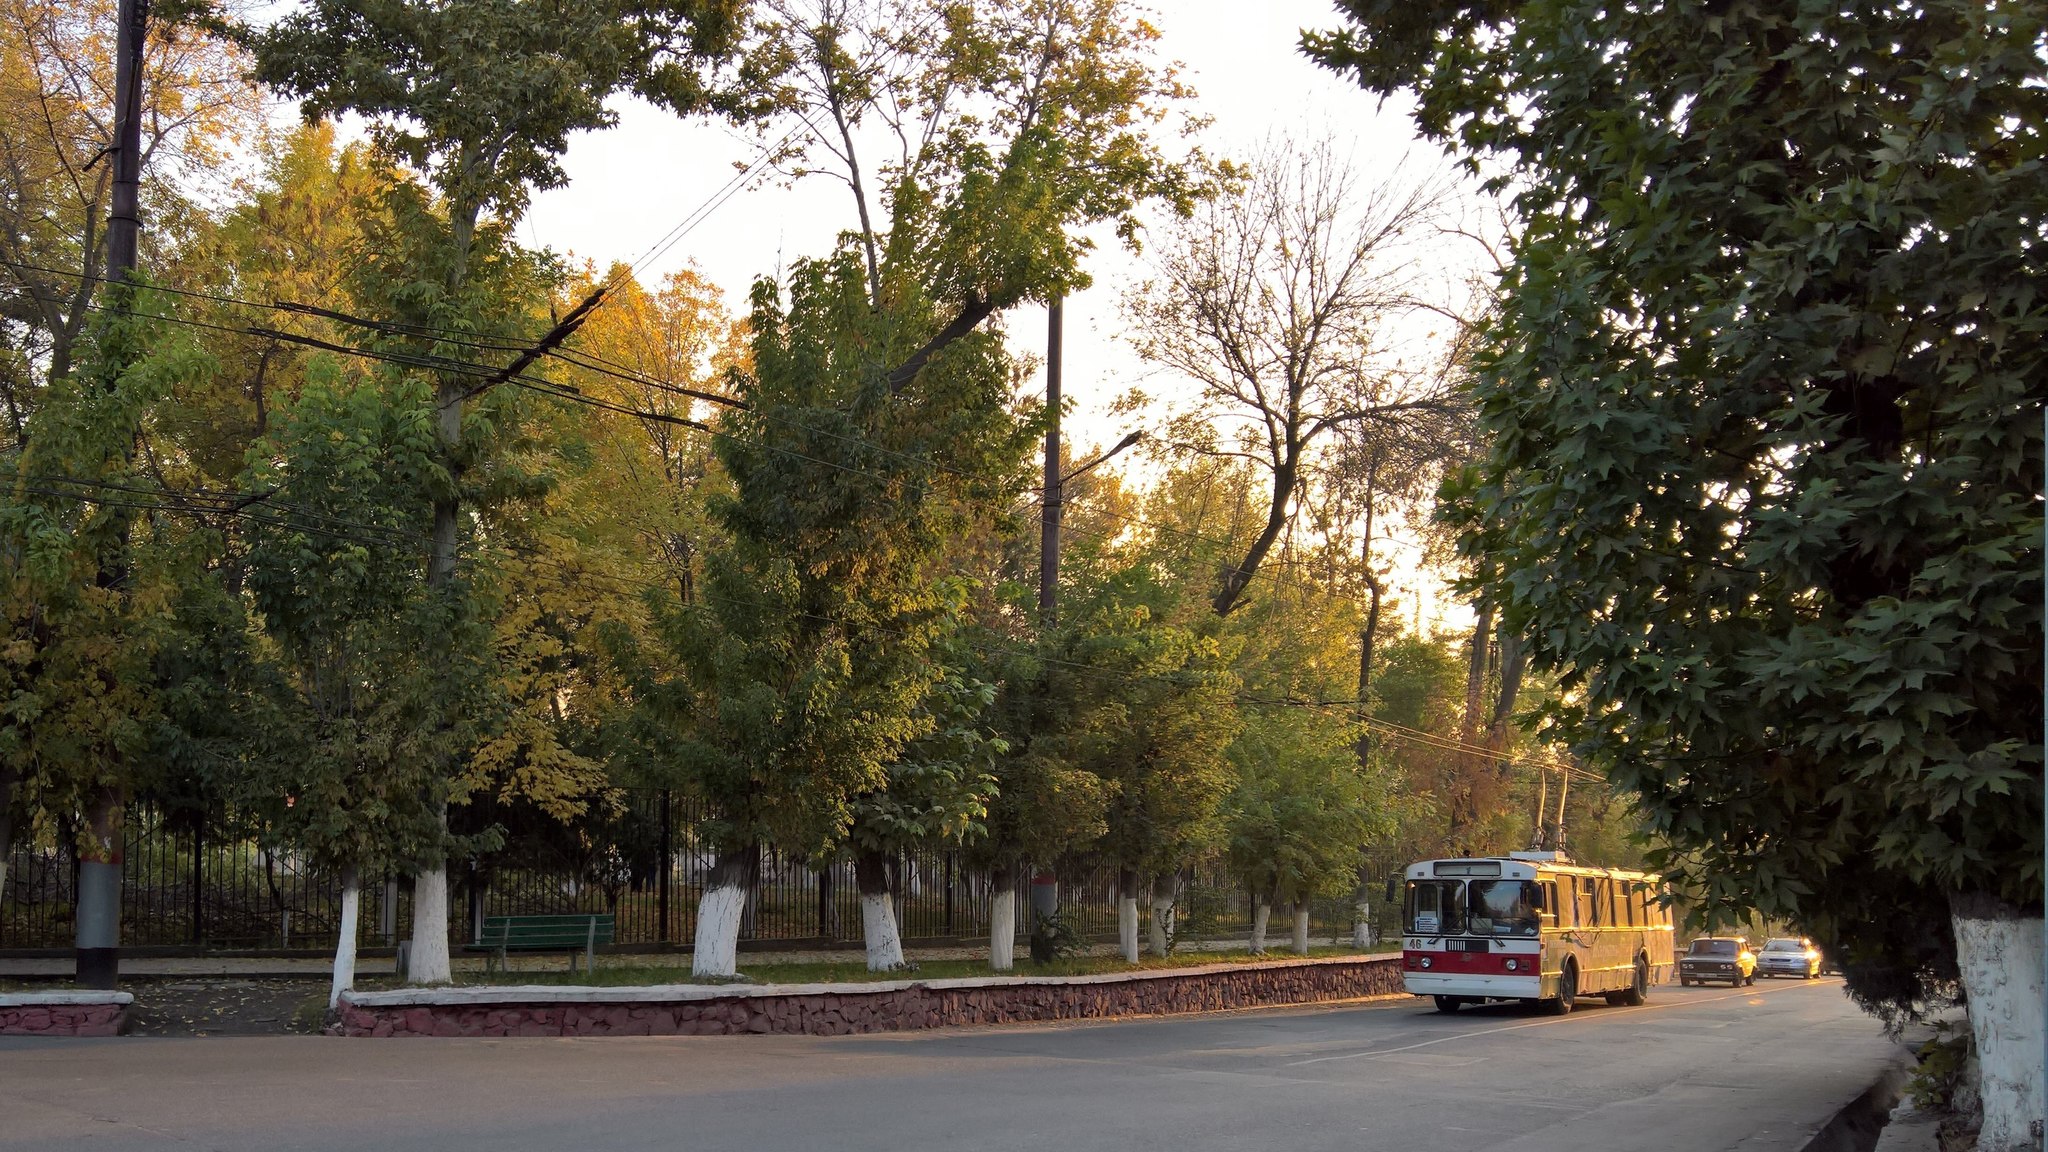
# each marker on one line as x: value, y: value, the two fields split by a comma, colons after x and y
x: 1554, y: 916
x: 1504, y: 907
x: 1435, y: 907
x: 1590, y: 912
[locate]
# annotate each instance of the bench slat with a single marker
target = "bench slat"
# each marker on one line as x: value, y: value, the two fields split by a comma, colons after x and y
x: 544, y: 932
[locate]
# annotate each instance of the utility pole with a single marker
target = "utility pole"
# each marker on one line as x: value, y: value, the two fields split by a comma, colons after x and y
x: 98, y: 940
x: 1045, y: 884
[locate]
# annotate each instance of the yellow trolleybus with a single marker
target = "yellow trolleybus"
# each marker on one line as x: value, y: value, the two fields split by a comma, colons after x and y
x: 1535, y: 927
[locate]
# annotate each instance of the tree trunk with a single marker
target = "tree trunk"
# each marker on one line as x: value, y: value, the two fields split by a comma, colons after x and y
x: 345, y: 942
x: 99, y: 894
x: 1262, y: 913
x: 429, y: 957
x: 716, y: 951
x: 1368, y: 636
x: 1165, y: 892
x: 1361, y: 914
x: 1002, y: 917
x: 1127, y: 915
x: 1999, y: 952
x: 1301, y: 927
x: 1469, y: 798
x: 427, y: 962
x: 1237, y: 579
x: 877, y: 913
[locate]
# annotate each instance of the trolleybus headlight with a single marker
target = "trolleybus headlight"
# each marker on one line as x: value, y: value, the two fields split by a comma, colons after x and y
x: 1425, y: 961
x: 1514, y: 966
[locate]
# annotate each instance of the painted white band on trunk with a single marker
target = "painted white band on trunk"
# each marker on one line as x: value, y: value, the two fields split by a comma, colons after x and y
x: 878, y: 929
x: 345, y: 942
x: 1301, y: 926
x: 1162, y: 925
x: 1127, y: 927
x: 1002, y: 931
x: 718, y: 931
x: 1262, y: 913
x: 428, y: 961
x: 2000, y: 961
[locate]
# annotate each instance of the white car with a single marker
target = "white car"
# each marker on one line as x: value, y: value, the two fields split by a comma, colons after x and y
x: 1787, y: 956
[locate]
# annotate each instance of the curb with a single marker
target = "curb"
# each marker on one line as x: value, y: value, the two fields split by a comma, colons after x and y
x: 1861, y: 1123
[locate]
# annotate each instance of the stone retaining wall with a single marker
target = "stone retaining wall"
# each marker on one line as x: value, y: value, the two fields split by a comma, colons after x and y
x: 840, y: 1009
x: 64, y: 1013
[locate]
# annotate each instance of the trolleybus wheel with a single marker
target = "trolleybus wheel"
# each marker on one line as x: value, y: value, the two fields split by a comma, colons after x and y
x: 1639, y: 990
x: 1567, y: 991
x: 1448, y: 1003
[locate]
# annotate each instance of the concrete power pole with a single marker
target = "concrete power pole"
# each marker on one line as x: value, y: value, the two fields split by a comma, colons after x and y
x: 1049, y: 518
x: 98, y: 958
x: 1045, y: 884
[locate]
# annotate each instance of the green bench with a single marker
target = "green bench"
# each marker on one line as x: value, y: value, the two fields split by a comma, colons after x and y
x: 572, y: 933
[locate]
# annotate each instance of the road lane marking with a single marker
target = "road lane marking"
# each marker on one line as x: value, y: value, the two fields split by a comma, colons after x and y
x: 1608, y: 1014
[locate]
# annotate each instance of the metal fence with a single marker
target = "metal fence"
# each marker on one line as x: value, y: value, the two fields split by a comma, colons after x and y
x: 193, y: 879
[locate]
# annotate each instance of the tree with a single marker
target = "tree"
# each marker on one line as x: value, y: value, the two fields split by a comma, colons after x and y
x: 1300, y: 813
x: 810, y: 652
x: 1765, y: 448
x: 480, y: 97
x: 1014, y: 125
x: 1273, y: 299
x: 936, y: 793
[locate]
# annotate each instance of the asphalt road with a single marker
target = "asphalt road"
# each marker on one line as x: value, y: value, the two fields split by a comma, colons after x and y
x: 1697, y: 1069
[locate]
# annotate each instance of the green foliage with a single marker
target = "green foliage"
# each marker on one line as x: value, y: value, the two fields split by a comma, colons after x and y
x: 92, y: 589
x: 353, y: 764
x: 813, y: 651
x: 1056, y: 937
x: 938, y: 791
x: 1762, y: 396
x: 483, y: 95
x: 1301, y: 810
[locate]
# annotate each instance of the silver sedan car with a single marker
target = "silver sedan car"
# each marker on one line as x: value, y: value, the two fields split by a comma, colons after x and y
x: 1788, y: 956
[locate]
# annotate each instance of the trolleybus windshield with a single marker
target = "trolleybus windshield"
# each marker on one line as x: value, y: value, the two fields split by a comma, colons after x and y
x: 1504, y: 907
x: 1436, y: 907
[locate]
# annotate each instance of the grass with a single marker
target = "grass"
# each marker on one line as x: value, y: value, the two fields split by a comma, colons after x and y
x: 855, y: 970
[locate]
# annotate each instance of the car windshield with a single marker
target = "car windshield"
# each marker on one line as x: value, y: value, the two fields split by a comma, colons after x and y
x: 1713, y: 948
x: 1785, y: 946
x: 1435, y: 907
x: 1504, y: 907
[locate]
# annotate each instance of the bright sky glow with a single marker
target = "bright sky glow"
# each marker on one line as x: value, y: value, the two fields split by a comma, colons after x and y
x: 628, y: 187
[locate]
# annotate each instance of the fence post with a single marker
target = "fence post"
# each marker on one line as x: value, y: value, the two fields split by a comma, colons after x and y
x: 198, y: 876
x: 668, y: 859
x: 951, y: 871
x: 825, y: 901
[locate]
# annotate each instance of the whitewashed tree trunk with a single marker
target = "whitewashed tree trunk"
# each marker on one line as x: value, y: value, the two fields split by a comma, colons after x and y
x: 1999, y: 952
x: 716, y: 948
x: 1127, y: 916
x: 1262, y: 914
x: 1165, y: 890
x: 878, y: 913
x: 1361, y: 924
x: 1301, y: 927
x: 427, y: 962
x: 345, y: 943
x: 1002, y: 918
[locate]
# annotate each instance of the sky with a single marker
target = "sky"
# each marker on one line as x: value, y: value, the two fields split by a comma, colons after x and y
x: 631, y: 187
